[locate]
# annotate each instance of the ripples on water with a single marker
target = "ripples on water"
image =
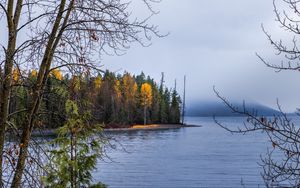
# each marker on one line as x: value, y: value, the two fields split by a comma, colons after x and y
x: 205, y: 156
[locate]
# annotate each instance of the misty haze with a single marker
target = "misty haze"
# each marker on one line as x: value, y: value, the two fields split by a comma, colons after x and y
x: 149, y: 93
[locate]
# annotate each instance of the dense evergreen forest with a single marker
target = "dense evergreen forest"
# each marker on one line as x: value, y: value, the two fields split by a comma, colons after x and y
x: 115, y: 100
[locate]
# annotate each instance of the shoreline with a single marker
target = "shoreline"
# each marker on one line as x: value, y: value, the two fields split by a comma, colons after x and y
x: 51, y: 132
x: 152, y: 127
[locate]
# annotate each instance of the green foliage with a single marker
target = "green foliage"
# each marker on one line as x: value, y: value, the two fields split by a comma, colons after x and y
x: 55, y: 98
x: 114, y: 99
x: 175, y: 108
x: 98, y: 185
x: 75, y: 105
x: 76, y: 152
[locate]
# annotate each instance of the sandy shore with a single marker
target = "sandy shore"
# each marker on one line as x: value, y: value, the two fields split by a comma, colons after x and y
x: 152, y: 127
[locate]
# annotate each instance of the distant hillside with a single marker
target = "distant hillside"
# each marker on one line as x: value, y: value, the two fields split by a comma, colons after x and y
x: 219, y: 109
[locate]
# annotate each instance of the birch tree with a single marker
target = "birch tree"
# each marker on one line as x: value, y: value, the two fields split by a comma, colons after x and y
x: 65, y: 35
x: 146, y: 97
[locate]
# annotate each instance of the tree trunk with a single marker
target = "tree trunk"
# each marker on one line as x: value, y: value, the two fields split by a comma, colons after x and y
x: 12, y: 22
x: 41, y: 80
x: 4, y: 98
x: 145, y: 115
x: 72, y: 174
x: 22, y: 159
x: 75, y: 162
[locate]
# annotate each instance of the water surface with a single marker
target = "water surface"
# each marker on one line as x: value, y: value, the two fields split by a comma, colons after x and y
x: 206, y: 156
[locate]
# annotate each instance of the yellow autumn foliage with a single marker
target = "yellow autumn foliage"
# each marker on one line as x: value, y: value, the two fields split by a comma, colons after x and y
x: 16, y: 75
x: 134, y: 89
x: 34, y: 73
x: 129, y: 87
x: 146, y: 94
x: 98, y: 82
x: 117, y: 88
x: 126, y: 80
x: 57, y: 74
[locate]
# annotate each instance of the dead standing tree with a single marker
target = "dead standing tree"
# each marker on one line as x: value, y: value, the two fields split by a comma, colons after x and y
x: 61, y: 34
x: 283, y: 133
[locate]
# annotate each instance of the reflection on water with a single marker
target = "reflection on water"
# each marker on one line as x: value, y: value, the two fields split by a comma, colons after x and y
x: 206, y: 156
x: 144, y: 135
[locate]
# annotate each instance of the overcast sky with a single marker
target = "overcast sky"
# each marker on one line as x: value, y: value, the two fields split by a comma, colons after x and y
x: 214, y: 44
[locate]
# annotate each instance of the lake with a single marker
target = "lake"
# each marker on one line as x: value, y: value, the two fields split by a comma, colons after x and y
x: 206, y: 156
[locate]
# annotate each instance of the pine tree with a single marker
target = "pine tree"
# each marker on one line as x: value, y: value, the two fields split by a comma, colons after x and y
x: 76, y: 152
x: 175, y: 108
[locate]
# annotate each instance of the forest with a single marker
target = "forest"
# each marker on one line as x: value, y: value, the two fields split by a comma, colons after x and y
x: 114, y: 100
x: 51, y: 78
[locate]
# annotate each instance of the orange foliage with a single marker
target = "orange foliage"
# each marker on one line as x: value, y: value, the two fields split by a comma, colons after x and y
x: 144, y: 126
x: 146, y: 94
x: 57, y: 74
x: 16, y: 74
x: 34, y: 73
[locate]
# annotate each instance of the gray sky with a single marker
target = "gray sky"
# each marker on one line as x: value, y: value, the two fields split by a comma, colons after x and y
x: 214, y: 43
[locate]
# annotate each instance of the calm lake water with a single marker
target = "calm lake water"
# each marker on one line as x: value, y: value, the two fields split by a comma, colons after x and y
x: 206, y: 156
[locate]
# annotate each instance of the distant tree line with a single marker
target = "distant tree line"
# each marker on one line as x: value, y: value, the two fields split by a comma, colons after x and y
x: 113, y: 99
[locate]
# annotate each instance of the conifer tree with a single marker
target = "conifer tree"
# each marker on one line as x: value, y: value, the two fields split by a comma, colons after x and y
x: 76, y: 151
x: 175, y: 108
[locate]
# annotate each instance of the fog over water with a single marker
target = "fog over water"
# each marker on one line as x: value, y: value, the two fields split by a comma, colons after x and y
x: 214, y: 43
